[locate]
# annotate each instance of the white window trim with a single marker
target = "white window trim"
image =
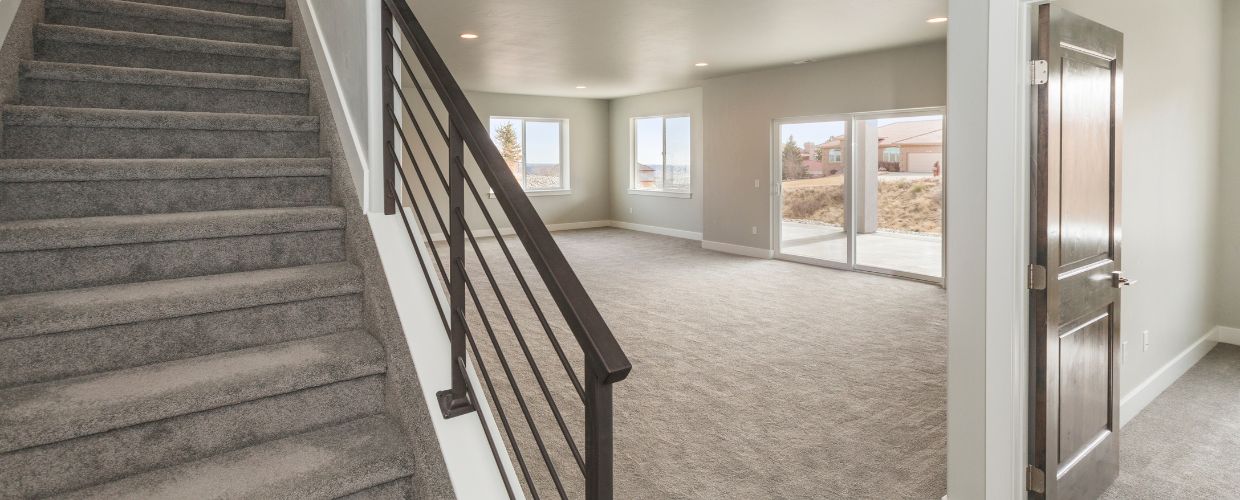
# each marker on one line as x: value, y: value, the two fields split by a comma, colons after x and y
x: 666, y: 193
x: 565, y: 179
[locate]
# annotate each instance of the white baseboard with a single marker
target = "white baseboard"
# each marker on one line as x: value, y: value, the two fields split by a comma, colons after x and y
x: 1227, y: 335
x: 760, y: 253
x: 569, y: 226
x: 665, y: 231
x: 485, y: 232
x: 1141, y: 396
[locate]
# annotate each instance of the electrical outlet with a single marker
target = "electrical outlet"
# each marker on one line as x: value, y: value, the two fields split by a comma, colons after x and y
x: 1145, y: 339
x: 630, y: 209
x: 1123, y: 352
x: 755, y: 230
x: 757, y: 183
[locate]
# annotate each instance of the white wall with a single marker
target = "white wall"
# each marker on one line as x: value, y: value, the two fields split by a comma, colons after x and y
x: 1170, y: 173
x: 681, y: 214
x: 346, y: 51
x: 739, y: 111
x: 1229, y: 275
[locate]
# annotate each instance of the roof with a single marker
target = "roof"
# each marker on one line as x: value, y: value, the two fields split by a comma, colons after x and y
x: 928, y: 131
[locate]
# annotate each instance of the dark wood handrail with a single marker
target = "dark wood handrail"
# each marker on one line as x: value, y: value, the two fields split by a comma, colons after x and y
x: 609, y: 363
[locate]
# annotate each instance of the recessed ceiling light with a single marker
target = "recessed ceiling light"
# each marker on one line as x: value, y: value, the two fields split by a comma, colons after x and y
x: 468, y: 36
x: 581, y: 86
x: 702, y: 64
x: 936, y: 20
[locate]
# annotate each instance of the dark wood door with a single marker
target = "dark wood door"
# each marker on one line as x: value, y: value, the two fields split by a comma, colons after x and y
x: 1076, y: 276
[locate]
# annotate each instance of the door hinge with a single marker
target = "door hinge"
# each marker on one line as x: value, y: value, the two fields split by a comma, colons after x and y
x: 1039, y: 72
x: 1035, y: 479
x: 1037, y: 277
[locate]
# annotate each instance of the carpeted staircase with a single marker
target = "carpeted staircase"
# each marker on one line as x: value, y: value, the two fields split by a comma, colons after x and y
x: 177, y: 317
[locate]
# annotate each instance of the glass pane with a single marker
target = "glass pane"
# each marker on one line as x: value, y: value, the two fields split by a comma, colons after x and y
x: 648, y: 142
x: 900, y: 194
x: 506, y: 132
x: 676, y: 172
x: 813, y: 207
x: 542, y: 156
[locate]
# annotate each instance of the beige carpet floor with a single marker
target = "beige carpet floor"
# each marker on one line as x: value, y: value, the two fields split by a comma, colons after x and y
x: 751, y: 379
x: 1186, y: 444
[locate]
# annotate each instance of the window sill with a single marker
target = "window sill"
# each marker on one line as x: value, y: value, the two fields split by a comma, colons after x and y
x: 532, y: 194
x: 664, y: 194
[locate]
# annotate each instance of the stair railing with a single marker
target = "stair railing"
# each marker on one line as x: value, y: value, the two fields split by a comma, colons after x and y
x: 604, y: 361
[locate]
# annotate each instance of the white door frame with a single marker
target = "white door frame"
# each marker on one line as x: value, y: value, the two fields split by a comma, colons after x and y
x: 988, y: 248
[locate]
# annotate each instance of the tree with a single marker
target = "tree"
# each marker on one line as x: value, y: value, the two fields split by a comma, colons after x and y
x: 509, y: 147
x: 793, y: 166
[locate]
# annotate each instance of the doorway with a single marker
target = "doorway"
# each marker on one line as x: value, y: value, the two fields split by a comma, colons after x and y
x: 862, y: 192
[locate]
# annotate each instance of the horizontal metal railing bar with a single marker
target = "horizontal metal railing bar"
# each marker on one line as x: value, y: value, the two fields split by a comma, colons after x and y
x: 512, y: 381
x: 499, y: 409
x: 529, y: 294
x: 417, y: 85
x: 443, y: 273
x: 583, y: 318
x: 499, y: 464
x: 494, y: 229
x: 422, y: 263
x: 525, y: 348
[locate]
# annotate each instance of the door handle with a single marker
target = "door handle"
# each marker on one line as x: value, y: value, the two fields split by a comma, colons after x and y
x: 1119, y: 281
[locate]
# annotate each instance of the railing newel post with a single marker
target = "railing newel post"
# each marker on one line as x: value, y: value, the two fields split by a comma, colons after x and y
x: 455, y: 401
x: 599, y: 438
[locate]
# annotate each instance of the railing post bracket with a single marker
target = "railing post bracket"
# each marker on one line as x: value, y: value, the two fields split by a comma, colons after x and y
x: 451, y: 406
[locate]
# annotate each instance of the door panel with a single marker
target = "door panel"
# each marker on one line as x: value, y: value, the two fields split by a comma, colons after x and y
x: 1075, y: 319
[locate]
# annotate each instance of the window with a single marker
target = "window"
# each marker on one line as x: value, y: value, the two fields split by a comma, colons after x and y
x: 534, y: 151
x: 834, y: 156
x: 891, y: 155
x: 661, y: 154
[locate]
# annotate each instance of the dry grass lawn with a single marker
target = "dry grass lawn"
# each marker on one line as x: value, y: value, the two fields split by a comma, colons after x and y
x: 906, y: 205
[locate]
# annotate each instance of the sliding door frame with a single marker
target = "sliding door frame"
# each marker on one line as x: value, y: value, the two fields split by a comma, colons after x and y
x: 851, y: 190
x: 777, y: 190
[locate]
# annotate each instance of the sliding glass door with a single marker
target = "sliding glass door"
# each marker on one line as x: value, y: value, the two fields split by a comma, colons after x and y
x: 863, y: 192
x: 812, y: 174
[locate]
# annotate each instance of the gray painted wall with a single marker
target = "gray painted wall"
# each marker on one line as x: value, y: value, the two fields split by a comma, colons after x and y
x: 739, y: 111
x: 1229, y: 275
x: 684, y: 214
x: 1171, y: 172
x: 343, y: 27
x: 587, y: 146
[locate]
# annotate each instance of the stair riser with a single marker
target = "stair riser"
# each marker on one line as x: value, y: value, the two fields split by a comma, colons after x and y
x: 50, y: 357
x: 87, y: 142
x: 50, y: 200
x: 37, y: 92
x: 136, y: 57
x: 118, y: 22
x: 47, y: 270
x: 223, y: 6
x: 76, y: 463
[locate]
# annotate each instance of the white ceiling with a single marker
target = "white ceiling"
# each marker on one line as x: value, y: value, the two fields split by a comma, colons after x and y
x: 629, y: 47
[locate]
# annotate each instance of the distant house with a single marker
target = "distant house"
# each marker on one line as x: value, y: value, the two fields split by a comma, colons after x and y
x: 913, y: 146
x: 645, y: 176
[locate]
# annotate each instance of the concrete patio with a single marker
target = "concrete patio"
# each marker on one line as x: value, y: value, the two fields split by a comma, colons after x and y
x: 911, y: 253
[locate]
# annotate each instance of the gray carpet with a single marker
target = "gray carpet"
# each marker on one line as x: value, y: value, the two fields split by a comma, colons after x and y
x: 184, y: 311
x: 1186, y: 444
x: 751, y: 378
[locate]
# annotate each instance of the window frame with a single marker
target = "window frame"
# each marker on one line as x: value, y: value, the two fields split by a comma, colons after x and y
x: 565, y: 179
x: 664, y: 192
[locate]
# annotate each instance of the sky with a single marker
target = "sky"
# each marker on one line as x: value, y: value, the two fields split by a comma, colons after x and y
x: 542, y: 141
x: 649, y: 132
x: 819, y: 132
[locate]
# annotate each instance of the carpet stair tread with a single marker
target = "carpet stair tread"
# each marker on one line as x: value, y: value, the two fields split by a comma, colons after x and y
x: 52, y: 116
x: 112, y: 169
x: 123, y: 39
x: 67, y: 310
x: 326, y: 463
x: 63, y: 409
x: 43, y: 234
x: 79, y: 72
